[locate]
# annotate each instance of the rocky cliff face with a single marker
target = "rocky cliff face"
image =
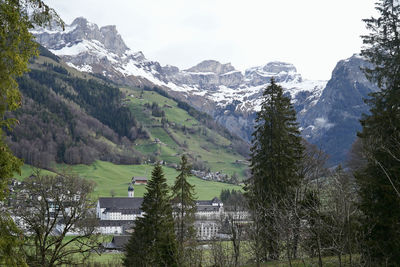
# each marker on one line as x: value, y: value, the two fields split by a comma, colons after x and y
x: 80, y: 30
x: 328, y: 112
x: 208, y: 75
x: 333, y: 121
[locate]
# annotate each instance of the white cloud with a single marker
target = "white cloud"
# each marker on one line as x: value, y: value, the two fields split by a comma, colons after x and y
x: 323, y: 123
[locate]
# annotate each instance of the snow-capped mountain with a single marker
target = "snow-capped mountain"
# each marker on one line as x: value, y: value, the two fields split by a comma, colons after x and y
x: 210, y: 86
x: 231, y: 96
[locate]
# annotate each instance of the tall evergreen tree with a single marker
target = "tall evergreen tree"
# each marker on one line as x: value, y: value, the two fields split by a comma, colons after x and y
x: 275, y: 156
x: 379, y: 181
x: 184, y: 205
x: 153, y: 242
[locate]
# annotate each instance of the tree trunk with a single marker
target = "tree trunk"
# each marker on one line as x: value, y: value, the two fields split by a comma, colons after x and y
x: 319, y: 251
x: 288, y: 250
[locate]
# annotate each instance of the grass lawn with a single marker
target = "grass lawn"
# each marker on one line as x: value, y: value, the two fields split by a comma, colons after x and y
x: 105, y: 259
x: 331, y: 261
x: 225, y: 247
x: 108, y: 259
x: 27, y: 170
x: 109, y: 176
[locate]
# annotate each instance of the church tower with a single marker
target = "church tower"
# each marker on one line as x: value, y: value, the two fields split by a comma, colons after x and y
x: 131, y: 191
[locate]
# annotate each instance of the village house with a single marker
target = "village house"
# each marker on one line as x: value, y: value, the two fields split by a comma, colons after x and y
x: 136, y: 180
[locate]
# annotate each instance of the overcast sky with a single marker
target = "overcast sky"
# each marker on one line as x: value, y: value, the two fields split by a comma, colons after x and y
x: 312, y: 34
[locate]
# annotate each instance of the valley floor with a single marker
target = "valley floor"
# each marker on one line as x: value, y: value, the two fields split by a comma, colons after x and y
x: 111, y: 178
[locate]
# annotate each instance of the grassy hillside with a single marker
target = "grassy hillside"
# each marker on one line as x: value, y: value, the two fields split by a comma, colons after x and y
x: 179, y: 132
x: 111, y: 177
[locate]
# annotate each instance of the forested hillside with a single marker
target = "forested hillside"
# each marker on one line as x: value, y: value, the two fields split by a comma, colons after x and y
x: 68, y: 119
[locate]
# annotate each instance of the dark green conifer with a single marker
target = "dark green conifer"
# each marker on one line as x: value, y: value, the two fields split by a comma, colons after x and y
x: 275, y: 155
x: 184, y: 205
x: 379, y: 181
x: 153, y: 242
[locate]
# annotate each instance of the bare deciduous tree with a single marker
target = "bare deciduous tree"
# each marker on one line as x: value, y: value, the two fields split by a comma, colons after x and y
x: 48, y: 208
x: 343, y: 211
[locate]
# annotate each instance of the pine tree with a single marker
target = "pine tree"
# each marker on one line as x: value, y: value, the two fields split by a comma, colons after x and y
x: 184, y: 212
x: 153, y: 242
x: 379, y: 181
x: 275, y: 155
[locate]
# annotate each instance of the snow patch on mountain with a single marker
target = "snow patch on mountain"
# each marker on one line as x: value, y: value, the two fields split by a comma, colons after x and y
x: 84, y: 68
x: 55, y: 30
x: 93, y: 47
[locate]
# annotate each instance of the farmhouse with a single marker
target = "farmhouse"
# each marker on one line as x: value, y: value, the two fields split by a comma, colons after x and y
x: 118, y: 242
x: 139, y: 180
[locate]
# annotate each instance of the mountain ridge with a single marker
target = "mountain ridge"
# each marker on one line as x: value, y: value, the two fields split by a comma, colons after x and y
x: 231, y: 96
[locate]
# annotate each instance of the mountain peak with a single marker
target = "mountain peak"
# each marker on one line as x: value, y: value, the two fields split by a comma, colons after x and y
x: 107, y: 35
x: 213, y: 66
x: 84, y: 25
x: 80, y: 21
x: 106, y: 38
x: 112, y: 39
x: 109, y: 29
x: 281, y: 71
x: 278, y: 66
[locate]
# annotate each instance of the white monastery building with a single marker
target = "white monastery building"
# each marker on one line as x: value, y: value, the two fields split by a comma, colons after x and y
x: 118, y: 214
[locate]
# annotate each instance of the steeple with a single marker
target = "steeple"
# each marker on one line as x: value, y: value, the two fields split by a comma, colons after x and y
x: 131, y: 191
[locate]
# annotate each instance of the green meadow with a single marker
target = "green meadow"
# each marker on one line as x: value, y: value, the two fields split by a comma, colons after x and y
x: 114, y: 179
